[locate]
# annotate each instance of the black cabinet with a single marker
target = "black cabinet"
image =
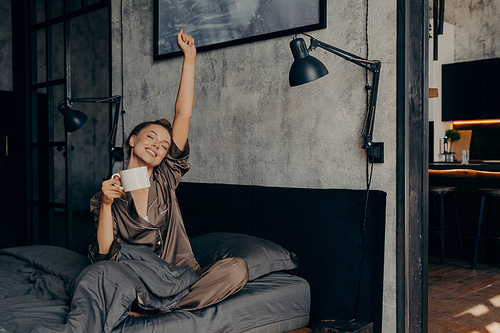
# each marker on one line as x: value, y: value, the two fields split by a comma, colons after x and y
x: 491, y: 89
x: 469, y: 90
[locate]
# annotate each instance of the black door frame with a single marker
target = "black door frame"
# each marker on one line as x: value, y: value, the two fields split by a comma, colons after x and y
x: 412, y: 165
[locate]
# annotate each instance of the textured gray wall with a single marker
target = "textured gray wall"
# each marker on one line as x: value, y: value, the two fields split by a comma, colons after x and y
x: 5, y: 46
x: 250, y: 127
x: 477, y: 28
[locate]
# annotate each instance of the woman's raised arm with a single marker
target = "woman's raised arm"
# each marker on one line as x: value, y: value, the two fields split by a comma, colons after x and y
x: 185, y: 95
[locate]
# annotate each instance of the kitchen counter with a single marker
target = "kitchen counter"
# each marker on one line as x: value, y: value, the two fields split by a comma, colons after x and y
x: 491, y: 167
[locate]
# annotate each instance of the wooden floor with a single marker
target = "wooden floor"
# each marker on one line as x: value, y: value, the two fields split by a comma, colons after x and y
x: 463, y: 300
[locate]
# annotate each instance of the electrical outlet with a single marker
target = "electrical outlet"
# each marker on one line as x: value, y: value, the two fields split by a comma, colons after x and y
x: 376, y: 154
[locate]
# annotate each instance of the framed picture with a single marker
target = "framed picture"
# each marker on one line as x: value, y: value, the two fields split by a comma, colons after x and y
x: 221, y: 23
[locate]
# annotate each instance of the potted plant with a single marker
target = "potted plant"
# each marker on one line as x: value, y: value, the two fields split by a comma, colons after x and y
x: 452, y: 135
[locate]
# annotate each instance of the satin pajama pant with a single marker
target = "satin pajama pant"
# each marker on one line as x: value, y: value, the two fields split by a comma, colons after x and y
x: 218, y: 281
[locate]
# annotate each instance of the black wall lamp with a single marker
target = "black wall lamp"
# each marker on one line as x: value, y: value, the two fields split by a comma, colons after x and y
x: 438, y: 17
x: 306, y: 68
x: 74, y: 120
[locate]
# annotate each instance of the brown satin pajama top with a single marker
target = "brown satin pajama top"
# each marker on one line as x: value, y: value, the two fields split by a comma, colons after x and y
x: 165, y: 234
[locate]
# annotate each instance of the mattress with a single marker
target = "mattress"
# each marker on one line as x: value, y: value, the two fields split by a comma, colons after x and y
x: 275, y: 303
x: 33, y: 294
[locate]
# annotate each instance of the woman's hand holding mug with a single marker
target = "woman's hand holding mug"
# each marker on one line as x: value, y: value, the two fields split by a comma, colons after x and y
x: 124, y: 181
x: 111, y: 189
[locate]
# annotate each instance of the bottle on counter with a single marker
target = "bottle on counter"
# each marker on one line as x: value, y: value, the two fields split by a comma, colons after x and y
x: 448, y: 156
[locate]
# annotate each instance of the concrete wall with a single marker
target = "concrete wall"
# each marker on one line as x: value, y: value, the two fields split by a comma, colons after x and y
x: 5, y: 46
x: 477, y: 28
x: 250, y: 127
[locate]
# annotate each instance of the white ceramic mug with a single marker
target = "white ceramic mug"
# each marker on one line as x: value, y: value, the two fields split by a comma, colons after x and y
x: 133, y: 179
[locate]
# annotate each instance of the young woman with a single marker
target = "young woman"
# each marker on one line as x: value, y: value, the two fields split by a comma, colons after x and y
x: 151, y: 217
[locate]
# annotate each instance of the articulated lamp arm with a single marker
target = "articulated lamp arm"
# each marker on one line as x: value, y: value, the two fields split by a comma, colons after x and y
x: 65, y: 106
x: 113, y: 100
x: 371, y: 65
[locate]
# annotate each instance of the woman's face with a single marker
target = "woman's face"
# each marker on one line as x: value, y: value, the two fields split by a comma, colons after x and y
x: 150, y: 145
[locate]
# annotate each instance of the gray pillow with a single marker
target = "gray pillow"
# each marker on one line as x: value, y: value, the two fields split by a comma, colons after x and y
x: 262, y: 256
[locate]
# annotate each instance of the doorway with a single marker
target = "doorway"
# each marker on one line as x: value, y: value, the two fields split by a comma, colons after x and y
x: 61, y: 50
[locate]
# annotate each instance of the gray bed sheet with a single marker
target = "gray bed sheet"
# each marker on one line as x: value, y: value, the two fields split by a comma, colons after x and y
x: 34, y: 293
x: 275, y: 303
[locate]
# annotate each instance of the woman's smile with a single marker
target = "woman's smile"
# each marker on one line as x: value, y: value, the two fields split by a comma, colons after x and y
x: 151, y: 152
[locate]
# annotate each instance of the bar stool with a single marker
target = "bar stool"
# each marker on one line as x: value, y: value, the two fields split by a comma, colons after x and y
x: 440, y: 192
x: 486, y: 194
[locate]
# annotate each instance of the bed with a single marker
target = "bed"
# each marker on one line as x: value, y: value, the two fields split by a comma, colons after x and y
x: 51, y: 289
x: 342, y: 263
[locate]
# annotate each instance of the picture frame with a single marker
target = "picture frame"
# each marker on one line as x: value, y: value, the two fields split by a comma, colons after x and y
x: 222, y: 23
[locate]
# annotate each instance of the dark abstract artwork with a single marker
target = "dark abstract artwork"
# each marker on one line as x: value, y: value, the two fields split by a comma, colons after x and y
x: 221, y: 23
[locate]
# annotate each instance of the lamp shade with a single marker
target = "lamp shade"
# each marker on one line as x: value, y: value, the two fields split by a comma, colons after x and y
x: 305, y: 68
x: 73, y: 119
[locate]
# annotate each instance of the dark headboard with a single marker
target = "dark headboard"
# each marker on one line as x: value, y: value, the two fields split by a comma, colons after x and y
x: 323, y: 227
